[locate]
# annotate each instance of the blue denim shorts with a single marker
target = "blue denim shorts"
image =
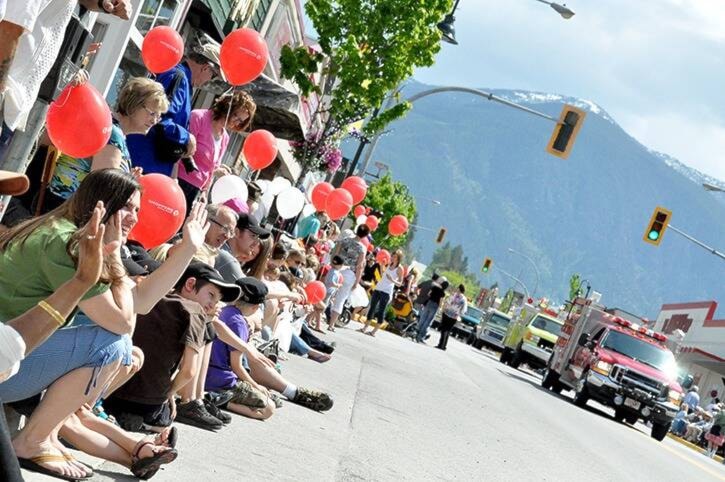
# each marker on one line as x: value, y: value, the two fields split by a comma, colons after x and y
x: 66, y: 350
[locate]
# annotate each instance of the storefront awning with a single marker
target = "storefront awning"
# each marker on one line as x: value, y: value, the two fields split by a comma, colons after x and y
x: 691, y: 354
x: 278, y: 108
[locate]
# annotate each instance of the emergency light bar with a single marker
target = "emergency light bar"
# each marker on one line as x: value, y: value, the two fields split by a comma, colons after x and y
x: 639, y: 329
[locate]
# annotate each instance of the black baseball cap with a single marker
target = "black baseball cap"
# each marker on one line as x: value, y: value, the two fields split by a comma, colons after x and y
x: 246, y: 221
x: 136, y: 260
x: 230, y: 291
x: 253, y: 291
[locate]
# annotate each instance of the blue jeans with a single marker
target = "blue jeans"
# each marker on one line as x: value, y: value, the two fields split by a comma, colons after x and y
x: 66, y: 350
x: 378, y: 302
x: 426, y: 318
x: 298, y: 346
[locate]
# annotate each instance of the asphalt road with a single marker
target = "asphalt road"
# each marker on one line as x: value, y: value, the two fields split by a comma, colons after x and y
x: 410, y: 412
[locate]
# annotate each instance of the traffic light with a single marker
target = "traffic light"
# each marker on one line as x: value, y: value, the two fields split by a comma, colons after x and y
x: 486, y: 265
x: 441, y: 235
x: 565, y: 132
x: 657, y: 225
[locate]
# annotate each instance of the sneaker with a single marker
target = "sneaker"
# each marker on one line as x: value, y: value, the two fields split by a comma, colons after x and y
x: 312, y: 399
x: 193, y: 413
x: 225, y: 418
x: 276, y: 399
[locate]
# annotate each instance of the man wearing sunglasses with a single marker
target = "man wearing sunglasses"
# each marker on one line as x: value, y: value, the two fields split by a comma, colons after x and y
x: 170, y: 140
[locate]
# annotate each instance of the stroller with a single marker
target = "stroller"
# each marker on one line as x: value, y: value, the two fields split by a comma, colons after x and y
x: 406, y: 318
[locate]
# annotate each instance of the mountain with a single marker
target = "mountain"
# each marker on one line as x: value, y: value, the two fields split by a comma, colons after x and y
x: 499, y: 189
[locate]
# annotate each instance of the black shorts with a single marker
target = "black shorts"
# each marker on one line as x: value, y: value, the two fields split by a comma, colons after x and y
x: 133, y: 415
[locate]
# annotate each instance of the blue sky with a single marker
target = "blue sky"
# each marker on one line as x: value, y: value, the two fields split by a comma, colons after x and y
x: 656, y: 66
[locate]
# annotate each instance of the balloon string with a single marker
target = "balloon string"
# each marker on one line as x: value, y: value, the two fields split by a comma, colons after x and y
x: 229, y: 110
x: 58, y: 102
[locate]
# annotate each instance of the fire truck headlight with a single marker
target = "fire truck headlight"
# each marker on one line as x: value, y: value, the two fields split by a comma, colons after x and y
x: 531, y: 337
x: 675, y: 397
x: 602, y: 367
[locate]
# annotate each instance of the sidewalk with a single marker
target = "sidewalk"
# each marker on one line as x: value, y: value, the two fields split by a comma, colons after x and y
x: 693, y: 446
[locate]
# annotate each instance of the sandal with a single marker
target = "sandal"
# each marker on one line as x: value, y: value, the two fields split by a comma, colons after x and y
x: 33, y: 464
x: 172, y: 436
x: 72, y: 460
x: 148, y: 466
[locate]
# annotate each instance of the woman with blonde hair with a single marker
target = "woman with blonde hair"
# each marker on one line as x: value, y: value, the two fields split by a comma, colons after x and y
x: 140, y: 105
x: 383, y: 293
x: 234, y: 111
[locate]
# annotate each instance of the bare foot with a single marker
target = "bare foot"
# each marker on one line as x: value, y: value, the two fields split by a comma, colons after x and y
x: 47, y: 456
x: 319, y: 357
x: 68, y: 456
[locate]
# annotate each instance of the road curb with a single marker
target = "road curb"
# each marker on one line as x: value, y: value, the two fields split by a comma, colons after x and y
x: 692, y: 446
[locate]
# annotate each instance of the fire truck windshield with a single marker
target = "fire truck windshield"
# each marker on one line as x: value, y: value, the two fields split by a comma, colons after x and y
x: 640, y: 351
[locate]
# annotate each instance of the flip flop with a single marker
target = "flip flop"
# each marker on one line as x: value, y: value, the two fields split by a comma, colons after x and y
x: 171, y: 438
x: 33, y: 465
x: 148, y: 466
x: 78, y: 463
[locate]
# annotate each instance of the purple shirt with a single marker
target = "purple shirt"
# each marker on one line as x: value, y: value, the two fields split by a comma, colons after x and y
x: 220, y: 375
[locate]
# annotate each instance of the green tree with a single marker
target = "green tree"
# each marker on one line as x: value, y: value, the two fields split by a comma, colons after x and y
x: 390, y: 198
x: 575, y: 285
x: 367, y: 48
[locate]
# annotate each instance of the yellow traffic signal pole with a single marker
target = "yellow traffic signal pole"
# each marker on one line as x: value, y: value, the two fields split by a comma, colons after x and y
x: 697, y: 242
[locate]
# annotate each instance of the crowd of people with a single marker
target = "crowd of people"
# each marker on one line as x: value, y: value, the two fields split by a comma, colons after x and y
x: 701, y: 425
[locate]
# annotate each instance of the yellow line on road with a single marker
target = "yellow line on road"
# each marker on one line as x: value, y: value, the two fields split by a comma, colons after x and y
x: 694, y: 462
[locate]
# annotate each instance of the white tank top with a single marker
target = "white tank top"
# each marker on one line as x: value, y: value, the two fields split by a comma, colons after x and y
x: 385, y: 285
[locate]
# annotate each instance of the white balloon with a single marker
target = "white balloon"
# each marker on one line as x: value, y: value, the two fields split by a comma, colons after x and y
x: 361, y: 219
x: 279, y: 184
x: 308, y: 210
x: 267, y: 200
x: 229, y: 187
x: 263, y: 184
x: 290, y: 202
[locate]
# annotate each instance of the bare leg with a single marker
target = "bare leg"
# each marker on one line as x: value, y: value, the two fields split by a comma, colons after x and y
x: 266, y: 376
x: 93, y: 443
x: 125, y: 373
x: 201, y: 379
x: 61, y: 399
x: 188, y: 391
x: 255, y: 413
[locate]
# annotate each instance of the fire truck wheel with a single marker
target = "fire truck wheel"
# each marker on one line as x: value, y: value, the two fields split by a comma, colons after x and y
x: 557, y: 387
x: 547, y: 379
x: 505, y: 354
x: 632, y: 418
x: 581, y: 395
x: 659, y: 430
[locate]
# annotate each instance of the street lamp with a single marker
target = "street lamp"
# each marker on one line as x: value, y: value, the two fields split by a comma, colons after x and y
x: 562, y: 10
x: 448, y: 31
x: 536, y: 270
x: 433, y: 201
x: 506, y: 273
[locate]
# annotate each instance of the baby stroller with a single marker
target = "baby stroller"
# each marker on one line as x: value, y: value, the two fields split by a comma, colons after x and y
x: 406, y: 317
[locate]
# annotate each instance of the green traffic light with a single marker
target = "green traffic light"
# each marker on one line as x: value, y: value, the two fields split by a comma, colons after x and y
x: 653, y: 235
x: 485, y: 269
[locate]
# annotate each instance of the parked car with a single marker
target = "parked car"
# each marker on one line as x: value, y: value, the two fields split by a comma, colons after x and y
x: 492, y: 331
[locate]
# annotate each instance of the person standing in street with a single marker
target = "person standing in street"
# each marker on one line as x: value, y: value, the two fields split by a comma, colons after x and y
x: 352, y: 251
x: 692, y: 399
x: 436, y: 293
x: 455, y: 306
x: 383, y: 293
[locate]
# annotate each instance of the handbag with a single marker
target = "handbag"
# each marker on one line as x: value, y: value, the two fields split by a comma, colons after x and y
x: 168, y: 150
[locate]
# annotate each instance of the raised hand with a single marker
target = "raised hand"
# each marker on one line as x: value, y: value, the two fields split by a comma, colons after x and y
x: 196, y: 226
x: 91, y: 248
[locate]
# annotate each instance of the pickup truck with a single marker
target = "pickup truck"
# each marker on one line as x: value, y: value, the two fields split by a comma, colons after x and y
x: 492, y: 330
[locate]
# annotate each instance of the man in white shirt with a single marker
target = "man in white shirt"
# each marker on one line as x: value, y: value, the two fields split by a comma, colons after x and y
x: 31, y: 34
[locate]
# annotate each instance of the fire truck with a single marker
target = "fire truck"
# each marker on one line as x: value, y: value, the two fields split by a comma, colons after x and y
x: 616, y: 362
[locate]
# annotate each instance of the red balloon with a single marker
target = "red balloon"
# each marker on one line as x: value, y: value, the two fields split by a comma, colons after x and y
x: 368, y: 210
x: 162, y: 49
x: 358, y: 211
x: 260, y: 149
x: 383, y: 256
x: 243, y: 56
x: 372, y: 222
x: 315, y: 292
x: 79, y: 121
x: 320, y: 193
x: 371, y: 247
x: 163, y: 209
x: 398, y: 225
x: 338, y: 204
x: 357, y: 187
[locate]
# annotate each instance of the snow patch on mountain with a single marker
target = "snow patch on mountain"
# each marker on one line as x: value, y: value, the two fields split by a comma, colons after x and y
x: 525, y: 97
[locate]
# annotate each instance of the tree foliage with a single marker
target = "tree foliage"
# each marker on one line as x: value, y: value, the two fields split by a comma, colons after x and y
x: 575, y: 286
x: 451, y: 262
x: 390, y: 198
x: 368, y: 47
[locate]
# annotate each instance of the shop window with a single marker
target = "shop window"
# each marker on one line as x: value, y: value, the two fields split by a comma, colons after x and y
x: 260, y: 14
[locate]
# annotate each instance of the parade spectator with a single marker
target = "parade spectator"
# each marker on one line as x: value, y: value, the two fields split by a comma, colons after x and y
x: 140, y: 105
x: 454, y: 307
x: 679, y: 423
x: 233, y: 111
x: 242, y: 247
x: 716, y: 435
x: 382, y: 294
x: 692, y: 399
x: 435, y: 295
x: 310, y: 225
x: 424, y: 290
x: 160, y: 149
x: 172, y: 336
x: 352, y: 251
x: 226, y: 369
